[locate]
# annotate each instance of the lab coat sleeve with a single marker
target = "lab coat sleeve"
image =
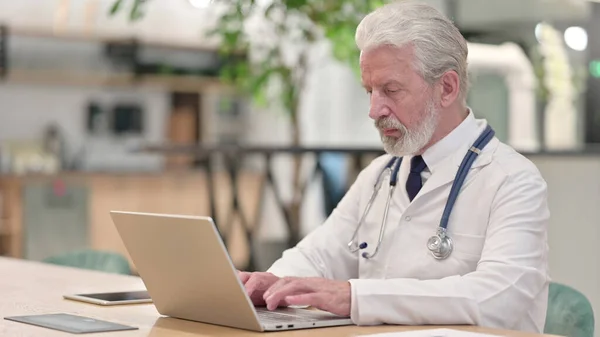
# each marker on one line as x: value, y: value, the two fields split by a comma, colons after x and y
x: 324, y: 252
x: 511, y: 272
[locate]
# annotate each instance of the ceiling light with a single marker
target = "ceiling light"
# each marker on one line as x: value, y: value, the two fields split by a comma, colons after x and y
x: 576, y: 38
x: 200, y: 3
x: 538, y: 32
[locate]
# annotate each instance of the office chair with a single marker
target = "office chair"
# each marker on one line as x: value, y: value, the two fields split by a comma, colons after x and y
x: 109, y: 262
x: 569, y: 312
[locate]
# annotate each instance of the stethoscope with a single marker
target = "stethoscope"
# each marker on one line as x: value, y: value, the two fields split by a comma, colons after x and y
x: 440, y: 245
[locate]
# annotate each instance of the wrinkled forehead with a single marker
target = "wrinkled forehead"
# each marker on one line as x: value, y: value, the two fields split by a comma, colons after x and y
x: 387, y: 61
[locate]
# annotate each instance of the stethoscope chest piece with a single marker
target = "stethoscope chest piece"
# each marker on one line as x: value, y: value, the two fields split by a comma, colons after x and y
x: 440, y: 245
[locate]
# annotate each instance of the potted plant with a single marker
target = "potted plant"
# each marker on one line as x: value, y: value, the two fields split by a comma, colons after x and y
x: 277, y: 67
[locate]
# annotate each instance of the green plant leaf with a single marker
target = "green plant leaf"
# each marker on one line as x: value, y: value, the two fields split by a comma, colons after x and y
x: 136, y: 12
x: 270, y: 9
x: 295, y: 4
x: 136, y: 15
x: 115, y: 7
x: 335, y: 21
x: 260, y: 97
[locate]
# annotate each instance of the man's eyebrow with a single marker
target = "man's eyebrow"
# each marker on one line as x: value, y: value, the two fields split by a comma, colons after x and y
x: 392, y: 82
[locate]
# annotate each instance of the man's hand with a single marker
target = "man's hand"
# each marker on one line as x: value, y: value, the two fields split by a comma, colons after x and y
x: 328, y: 295
x: 256, y: 284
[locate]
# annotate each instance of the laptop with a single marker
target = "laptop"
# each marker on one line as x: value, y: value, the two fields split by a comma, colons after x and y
x: 189, y: 275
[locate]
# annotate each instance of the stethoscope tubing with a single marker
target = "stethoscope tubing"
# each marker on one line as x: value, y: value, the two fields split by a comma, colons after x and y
x: 461, y: 175
x: 395, y: 162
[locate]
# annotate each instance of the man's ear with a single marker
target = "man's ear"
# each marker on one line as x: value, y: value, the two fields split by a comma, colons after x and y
x: 450, y: 88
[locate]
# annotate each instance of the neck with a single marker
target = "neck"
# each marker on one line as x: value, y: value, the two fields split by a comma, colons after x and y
x: 449, y: 120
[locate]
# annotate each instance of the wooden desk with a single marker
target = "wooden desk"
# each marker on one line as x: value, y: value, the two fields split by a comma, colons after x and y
x: 28, y: 288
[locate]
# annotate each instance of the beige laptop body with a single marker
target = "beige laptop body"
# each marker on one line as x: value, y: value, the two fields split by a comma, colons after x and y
x: 189, y: 275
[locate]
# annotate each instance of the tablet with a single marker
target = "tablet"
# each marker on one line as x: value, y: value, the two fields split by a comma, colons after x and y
x: 113, y: 298
x: 70, y: 323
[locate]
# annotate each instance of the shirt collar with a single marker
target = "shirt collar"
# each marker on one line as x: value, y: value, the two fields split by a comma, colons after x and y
x: 452, y: 142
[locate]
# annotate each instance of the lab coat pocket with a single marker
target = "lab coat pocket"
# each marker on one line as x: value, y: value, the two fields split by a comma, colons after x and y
x: 467, y: 246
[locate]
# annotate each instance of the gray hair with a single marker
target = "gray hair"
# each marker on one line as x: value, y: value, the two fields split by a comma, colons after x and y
x: 438, y: 44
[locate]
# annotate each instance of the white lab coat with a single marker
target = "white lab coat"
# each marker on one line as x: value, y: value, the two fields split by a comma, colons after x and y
x: 497, y: 275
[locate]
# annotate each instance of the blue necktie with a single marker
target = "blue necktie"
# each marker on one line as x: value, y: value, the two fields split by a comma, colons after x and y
x: 414, y: 182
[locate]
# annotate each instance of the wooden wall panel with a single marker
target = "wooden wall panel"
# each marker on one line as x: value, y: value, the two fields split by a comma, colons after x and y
x: 183, y: 193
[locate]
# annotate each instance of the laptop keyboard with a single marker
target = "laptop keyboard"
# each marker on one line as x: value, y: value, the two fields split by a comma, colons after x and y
x: 285, y: 315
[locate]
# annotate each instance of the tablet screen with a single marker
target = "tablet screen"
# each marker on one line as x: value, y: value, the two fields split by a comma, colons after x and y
x: 119, y: 296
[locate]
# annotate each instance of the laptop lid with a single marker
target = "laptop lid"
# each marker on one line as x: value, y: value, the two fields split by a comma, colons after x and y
x: 186, y: 268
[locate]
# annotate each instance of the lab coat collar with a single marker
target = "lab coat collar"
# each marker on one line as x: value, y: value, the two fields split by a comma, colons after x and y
x: 435, y: 155
x: 485, y: 157
x: 445, y: 171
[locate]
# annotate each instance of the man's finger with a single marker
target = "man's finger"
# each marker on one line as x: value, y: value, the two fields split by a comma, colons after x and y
x: 252, y: 284
x: 244, y: 276
x: 320, y: 300
x: 284, y: 282
x: 274, y: 298
x: 281, y: 282
x: 316, y: 300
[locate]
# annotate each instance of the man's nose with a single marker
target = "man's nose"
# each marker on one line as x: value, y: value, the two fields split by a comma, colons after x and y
x: 378, y: 108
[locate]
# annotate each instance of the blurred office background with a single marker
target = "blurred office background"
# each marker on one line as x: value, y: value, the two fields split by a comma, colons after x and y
x: 100, y: 112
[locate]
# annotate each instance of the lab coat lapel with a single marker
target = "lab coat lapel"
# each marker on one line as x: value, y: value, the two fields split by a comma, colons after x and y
x: 446, y: 173
x: 442, y: 176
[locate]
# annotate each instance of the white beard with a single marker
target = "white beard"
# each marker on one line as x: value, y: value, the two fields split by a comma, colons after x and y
x: 409, y: 142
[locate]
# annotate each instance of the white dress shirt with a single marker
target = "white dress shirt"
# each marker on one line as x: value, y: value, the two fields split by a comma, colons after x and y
x: 497, y: 274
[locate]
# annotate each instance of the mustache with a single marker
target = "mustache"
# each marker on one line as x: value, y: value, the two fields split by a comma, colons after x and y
x: 388, y: 123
